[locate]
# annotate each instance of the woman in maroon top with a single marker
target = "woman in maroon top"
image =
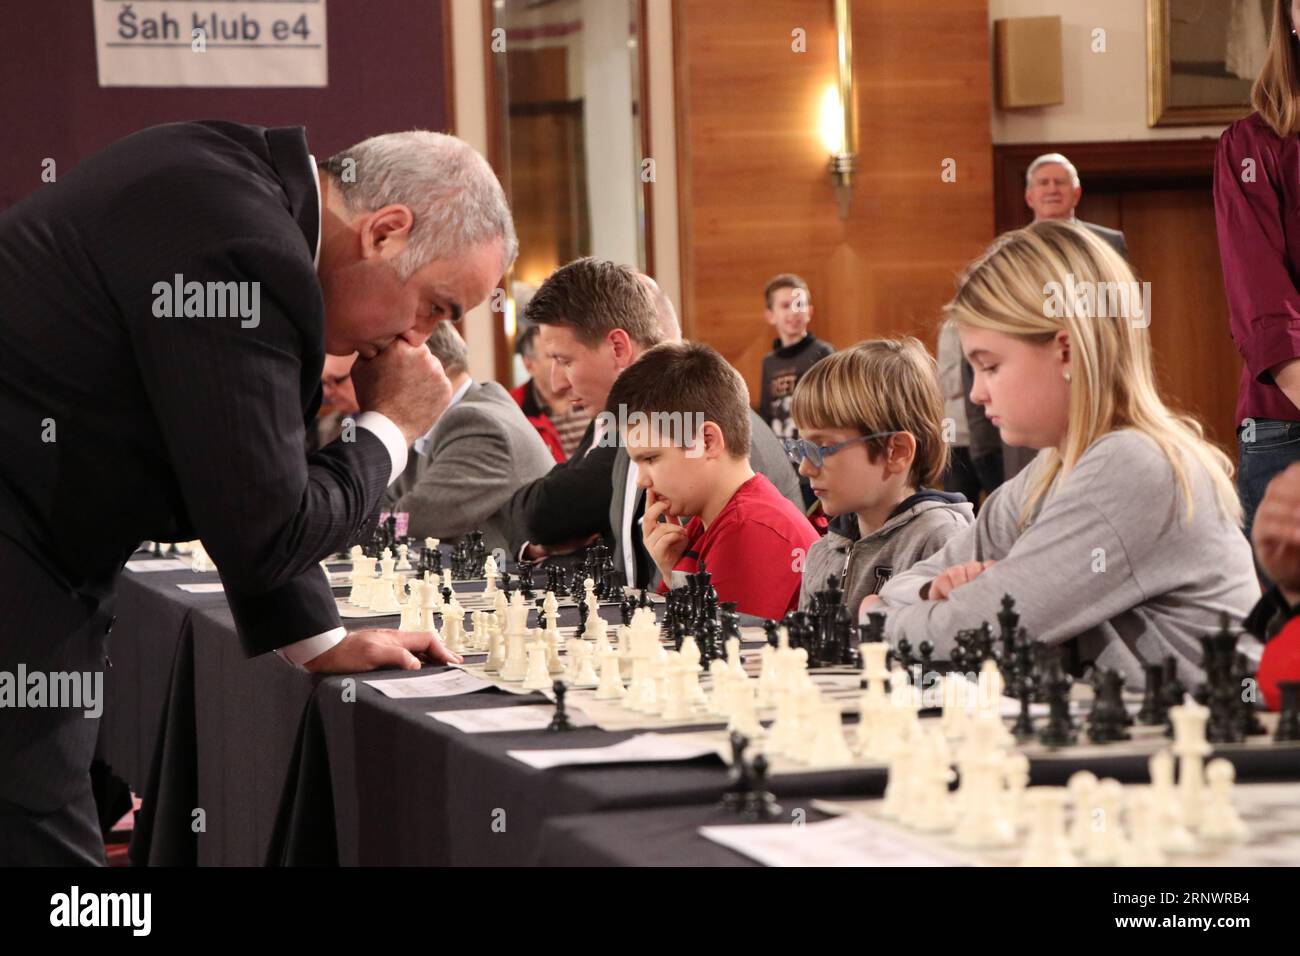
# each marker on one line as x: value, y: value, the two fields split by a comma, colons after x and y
x: 1257, y: 207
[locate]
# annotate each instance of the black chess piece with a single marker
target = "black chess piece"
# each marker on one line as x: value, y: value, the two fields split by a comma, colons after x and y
x: 1106, y: 720
x: 1152, y: 712
x: 582, y: 617
x: 733, y: 798
x: 157, y: 549
x: 625, y: 610
x: 1059, y: 729
x: 1288, y: 722
x: 446, y: 595
x: 771, y: 632
x: 1249, y: 716
x: 560, y: 721
x: 1009, y: 624
x: 760, y: 805
x: 1022, y: 654
x: 1173, y: 691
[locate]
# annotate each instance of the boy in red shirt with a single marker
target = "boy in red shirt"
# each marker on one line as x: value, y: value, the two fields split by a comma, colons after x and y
x: 683, y: 414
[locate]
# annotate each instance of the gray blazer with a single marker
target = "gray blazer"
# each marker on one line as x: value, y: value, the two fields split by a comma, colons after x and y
x: 766, y: 456
x: 481, y: 451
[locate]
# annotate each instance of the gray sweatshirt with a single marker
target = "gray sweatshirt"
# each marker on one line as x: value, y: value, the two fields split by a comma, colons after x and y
x: 918, y: 528
x: 1109, y: 558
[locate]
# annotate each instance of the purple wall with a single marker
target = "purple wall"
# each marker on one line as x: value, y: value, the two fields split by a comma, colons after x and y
x: 387, y: 71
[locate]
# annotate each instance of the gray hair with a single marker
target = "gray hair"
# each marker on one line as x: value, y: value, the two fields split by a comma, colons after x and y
x: 1048, y: 158
x: 449, y: 348
x: 448, y: 186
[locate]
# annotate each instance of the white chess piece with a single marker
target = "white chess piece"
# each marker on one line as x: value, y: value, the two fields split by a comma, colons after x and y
x: 554, y: 663
x: 1047, y: 844
x: 1219, y: 819
x: 1143, y: 848
x: 611, y: 686
x: 496, y: 651
x: 586, y: 676
x: 385, y: 591
x: 515, y: 665
x: 983, y: 818
x: 1015, y: 774
x: 743, y: 714
x: 676, y: 705
x: 403, y: 563
x: 1082, y: 787
x: 1105, y: 844
x: 933, y: 809
x: 537, y: 676
x: 490, y: 574
x: 1171, y: 835
x: 1191, y: 748
x: 829, y: 748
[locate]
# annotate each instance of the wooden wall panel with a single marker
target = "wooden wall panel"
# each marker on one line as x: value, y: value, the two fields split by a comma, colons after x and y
x: 755, y: 195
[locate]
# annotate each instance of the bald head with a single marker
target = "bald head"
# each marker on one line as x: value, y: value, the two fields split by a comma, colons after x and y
x: 669, y: 327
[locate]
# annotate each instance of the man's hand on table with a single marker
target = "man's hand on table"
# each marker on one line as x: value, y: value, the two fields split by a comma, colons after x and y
x: 380, y: 647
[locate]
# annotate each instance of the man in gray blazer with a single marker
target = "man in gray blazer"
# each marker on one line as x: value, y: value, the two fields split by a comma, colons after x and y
x: 766, y: 457
x: 463, y: 471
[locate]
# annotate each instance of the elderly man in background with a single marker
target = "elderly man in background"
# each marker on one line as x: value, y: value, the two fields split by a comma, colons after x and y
x: 1053, y: 190
x: 463, y: 471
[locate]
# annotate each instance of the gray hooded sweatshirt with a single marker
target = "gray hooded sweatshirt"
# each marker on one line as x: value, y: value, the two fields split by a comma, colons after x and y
x: 918, y: 528
x: 1108, y: 559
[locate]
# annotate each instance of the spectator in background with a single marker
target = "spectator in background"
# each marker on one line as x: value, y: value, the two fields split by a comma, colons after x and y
x: 556, y: 419
x: 339, y: 400
x: 462, y: 472
x: 1053, y: 190
x: 788, y: 309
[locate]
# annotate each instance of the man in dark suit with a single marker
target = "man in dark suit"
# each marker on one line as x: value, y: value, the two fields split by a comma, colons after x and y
x: 166, y: 308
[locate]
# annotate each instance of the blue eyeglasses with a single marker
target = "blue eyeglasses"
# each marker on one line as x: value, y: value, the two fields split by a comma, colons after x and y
x: 797, y: 449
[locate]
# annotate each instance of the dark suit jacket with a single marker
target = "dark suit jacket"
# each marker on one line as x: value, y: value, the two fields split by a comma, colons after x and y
x: 183, y: 427
x: 1114, y: 237
x: 571, y: 500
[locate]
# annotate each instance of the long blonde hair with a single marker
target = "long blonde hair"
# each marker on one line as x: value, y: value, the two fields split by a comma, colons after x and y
x: 1276, y: 93
x: 1112, y: 384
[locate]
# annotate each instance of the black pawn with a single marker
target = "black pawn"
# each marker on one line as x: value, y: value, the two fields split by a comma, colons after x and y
x: 1288, y: 724
x: 560, y: 721
x: 760, y: 805
x: 733, y: 798
x: 1153, y: 711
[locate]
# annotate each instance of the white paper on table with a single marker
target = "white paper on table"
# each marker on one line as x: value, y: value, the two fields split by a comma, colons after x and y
x: 850, y: 840
x: 157, y: 564
x: 495, y: 719
x: 447, y: 684
x: 643, y: 748
x: 209, y: 587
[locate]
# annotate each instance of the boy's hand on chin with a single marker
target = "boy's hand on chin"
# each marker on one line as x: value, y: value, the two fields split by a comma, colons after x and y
x: 665, y: 540
x: 957, y: 575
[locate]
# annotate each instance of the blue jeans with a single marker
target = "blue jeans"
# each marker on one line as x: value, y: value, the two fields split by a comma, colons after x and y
x: 1276, y: 444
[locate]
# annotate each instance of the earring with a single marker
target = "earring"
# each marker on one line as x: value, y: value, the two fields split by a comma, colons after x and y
x: 1068, y: 378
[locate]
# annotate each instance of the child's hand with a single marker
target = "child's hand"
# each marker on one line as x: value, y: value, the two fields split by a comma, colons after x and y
x: 665, y: 540
x: 957, y: 575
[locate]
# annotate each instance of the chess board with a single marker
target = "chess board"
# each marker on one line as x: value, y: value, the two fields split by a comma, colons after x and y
x: 1271, y: 811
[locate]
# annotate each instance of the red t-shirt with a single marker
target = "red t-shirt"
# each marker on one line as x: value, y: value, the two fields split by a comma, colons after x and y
x: 751, y: 550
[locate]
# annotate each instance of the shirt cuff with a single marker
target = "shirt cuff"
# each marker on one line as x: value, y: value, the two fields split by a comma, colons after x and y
x: 382, y: 427
x: 300, y: 652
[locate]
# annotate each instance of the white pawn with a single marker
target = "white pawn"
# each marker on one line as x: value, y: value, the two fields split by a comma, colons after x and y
x: 453, y: 630
x: 611, y: 686
x: 1219, y: 819
x: 1105, y: 844
x: 554, y: 663
x: 403, y: 564
x: 1082, y: 787
x: 496, y: 651
x: 743, y: 716
x: 676, y: 704
x: 1047, y: 844
x: 586, y: 676
x: 1143, y: 848
x: 690, y: 654
x: 1015, y: 774
x: 537, y: 676
x: 829, y: 748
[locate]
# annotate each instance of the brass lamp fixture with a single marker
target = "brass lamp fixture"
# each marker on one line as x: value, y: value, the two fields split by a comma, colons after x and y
x: 838, y: 130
